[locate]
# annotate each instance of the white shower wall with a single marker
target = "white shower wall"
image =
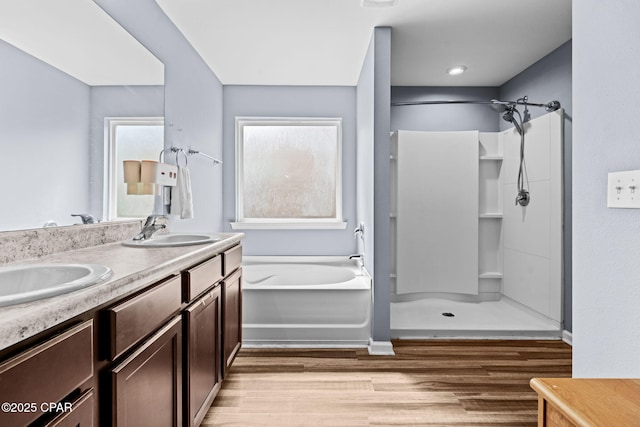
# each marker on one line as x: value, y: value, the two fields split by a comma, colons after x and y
x: 437, y: 227
x: 533, y: 234
x: 519, y: 249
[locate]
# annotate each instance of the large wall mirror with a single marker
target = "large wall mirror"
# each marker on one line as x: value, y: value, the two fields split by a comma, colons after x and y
x: 67, y: 67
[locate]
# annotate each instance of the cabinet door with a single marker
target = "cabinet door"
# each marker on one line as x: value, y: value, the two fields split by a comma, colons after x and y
x: 203, y: 354
x: 232, y: 313
x: 147, y: 385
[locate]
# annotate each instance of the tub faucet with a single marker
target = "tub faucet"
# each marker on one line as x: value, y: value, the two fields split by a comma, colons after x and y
x: 359, y: 231
x: 150, y: 227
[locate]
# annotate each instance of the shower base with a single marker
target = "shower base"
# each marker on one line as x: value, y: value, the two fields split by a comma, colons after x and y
x: 442, y: 318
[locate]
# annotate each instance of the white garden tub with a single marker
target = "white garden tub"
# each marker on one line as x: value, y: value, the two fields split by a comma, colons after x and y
x: 305, y: 302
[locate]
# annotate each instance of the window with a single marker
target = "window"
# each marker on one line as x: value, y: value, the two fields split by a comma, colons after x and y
x: 130, y: 139
x: 288, y: 173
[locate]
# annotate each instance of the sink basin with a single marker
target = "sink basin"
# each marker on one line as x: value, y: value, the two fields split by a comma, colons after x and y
x: 172, y: 239
x: 23, y: 283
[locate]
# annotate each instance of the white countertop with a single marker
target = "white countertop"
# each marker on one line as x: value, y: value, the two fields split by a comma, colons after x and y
x: 133, y: 269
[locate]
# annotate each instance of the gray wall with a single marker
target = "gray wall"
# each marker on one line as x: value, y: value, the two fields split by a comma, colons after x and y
x: 115, y: 101
x: 193, y: 104
x: 453, y: 117
x: 373, y: 103
x: 547, y: 80
x: 293, y: 101
x: 606, y: 242
x: 44, y: 129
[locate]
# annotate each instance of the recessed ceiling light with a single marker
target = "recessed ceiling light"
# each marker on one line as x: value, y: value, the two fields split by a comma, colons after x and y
x: 378, y: 3
x: 456, y: 70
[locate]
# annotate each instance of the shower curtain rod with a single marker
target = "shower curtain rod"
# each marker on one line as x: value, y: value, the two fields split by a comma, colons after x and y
x: 549, y: 106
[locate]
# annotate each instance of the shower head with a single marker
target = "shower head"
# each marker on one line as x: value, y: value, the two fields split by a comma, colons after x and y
x: 508, y: 116
x: 498, y: 106
x: 552, y: 106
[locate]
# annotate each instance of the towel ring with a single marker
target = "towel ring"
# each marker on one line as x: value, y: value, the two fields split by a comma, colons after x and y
x: 161, y: 154
x: 186, y: 159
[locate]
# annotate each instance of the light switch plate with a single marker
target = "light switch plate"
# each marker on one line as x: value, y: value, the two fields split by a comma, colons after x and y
x: 623, y: 189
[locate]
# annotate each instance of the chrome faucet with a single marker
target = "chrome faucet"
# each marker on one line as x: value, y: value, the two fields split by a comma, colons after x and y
x: 359, y: 231
x: 86, y: 218
x: 150, y: 227
x: 360, y: 258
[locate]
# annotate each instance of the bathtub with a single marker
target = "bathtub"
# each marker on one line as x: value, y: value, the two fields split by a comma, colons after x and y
x: 305, y: 302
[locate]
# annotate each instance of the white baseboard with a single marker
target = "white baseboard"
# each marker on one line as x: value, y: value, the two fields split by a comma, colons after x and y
x: 567, y: 337
x: 380, y: 348
x: 302, y: 344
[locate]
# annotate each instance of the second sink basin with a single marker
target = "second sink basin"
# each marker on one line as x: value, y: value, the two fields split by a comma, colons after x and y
x: 23, y: 283
x: 172, y: 239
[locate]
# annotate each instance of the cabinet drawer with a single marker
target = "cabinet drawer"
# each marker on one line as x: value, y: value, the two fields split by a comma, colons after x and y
x: 232, y: 259
x: 134, y: 319
x: 81, y: 413
x: 46, y: 373
x: 198, y: 279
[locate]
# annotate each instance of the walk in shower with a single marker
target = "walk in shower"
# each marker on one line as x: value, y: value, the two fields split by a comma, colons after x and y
x: 477, y: 228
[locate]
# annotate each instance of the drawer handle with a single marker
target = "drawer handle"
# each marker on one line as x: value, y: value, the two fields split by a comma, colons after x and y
x: 204, y: 299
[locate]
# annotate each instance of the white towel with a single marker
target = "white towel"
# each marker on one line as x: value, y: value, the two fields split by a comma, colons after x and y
x: 181, y: 199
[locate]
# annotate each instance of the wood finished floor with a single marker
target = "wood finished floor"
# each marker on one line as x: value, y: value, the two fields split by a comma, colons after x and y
x: 427, y: 383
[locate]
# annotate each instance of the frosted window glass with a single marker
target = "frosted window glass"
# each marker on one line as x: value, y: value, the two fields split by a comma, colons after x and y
x: 290, y: 171
x: 135, y: 142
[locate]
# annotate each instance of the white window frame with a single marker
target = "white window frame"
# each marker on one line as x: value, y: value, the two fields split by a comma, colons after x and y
x: 286, y: 223
x: 110, y: 185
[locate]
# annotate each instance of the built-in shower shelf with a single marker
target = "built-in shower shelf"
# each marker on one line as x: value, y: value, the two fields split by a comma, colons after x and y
x: 490, y: 215
x: 498, y: 158
x: 490, y: 275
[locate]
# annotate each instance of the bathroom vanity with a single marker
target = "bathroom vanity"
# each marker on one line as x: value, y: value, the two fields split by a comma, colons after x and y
x: 150, y: 346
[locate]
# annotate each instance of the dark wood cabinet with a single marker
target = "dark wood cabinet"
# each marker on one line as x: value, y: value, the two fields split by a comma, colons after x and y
x: 80, y: 415
x: 201, y: 277
x: 133, y: 319
x: 147, y: 385
x: 153, y: 357
x: 203, y: 340
x: 232, y: 318
x: 45, y: 374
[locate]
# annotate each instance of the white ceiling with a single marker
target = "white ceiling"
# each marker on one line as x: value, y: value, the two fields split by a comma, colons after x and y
x: 80, y: 39
x: 323, y: 42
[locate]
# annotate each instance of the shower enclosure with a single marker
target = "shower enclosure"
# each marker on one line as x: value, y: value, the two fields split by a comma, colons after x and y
x: 469, y: 259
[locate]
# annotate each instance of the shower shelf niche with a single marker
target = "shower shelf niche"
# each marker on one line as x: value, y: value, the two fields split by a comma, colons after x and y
x: 490, y: 275
x: 496, y: 158
x: 490, y: 243
x: 490, y: 216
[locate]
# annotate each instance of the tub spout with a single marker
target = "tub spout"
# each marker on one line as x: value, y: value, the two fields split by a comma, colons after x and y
x: 360, y: 258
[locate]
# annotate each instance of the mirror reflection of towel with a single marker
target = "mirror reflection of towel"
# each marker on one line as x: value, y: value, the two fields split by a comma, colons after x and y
x: 181, y: 198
